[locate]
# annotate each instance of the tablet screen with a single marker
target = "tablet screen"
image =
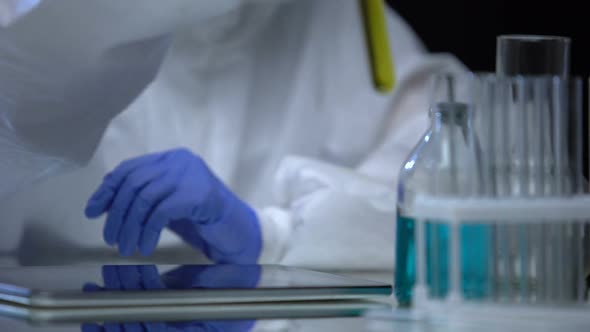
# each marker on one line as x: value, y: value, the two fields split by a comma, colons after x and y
x: 23, y: 280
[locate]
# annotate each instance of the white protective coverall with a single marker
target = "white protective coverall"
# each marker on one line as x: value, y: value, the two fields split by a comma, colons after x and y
x: 276, y: 96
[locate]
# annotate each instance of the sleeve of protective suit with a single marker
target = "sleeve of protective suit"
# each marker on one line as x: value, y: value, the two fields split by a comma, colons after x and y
x: 335, y: 217
x: 68, y: 67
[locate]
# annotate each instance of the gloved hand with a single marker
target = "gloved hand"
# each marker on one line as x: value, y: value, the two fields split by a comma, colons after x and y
x: 145, y: 277
x: 175, y: 189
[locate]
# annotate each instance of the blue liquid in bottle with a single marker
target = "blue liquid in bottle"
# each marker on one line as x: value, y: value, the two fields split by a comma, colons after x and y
x: 475, y: 247
x: 405, y: 260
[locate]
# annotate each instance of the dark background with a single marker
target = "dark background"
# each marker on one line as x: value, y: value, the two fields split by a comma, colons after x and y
x: 468, y: 29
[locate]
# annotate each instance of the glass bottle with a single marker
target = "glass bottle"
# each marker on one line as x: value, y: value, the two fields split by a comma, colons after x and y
x: 444, y: 163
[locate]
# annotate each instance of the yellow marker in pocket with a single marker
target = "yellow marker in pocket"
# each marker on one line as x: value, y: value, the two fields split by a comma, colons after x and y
x: 382, y: 68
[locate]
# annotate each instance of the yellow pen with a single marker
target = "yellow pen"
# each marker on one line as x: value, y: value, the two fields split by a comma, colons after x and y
x: 382, y: 68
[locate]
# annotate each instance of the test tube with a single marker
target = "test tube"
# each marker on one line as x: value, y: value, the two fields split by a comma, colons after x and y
x: 518, y: 251
x: 487, y: 117
x: 539, y: 162
x: 455, y: 275
x: 578, y: 139
x: 578, y: 170
x: 580, y: 270
x: 532, y: 55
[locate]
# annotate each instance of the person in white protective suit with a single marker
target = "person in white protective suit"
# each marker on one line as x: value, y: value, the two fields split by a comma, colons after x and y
x: 250, y: 129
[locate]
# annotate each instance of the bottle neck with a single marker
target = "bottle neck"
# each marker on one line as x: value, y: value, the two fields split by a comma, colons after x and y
x: 450, y: 117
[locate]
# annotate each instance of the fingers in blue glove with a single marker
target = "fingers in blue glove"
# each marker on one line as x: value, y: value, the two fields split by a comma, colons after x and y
x: 142, y: 206
x: 102, y: 198
x: 166, y: 210
x: 145, y: 194
x: 121, y: 205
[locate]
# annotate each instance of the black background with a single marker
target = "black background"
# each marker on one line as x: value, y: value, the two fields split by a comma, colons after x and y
x: 468, y: 29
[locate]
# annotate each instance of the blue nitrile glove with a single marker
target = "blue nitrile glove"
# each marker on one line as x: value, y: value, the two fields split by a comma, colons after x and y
x: 146, y: 277
x: 175, y: 189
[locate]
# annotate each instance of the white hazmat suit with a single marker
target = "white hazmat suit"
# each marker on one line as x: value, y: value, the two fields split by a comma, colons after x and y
x: 276, y: 96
